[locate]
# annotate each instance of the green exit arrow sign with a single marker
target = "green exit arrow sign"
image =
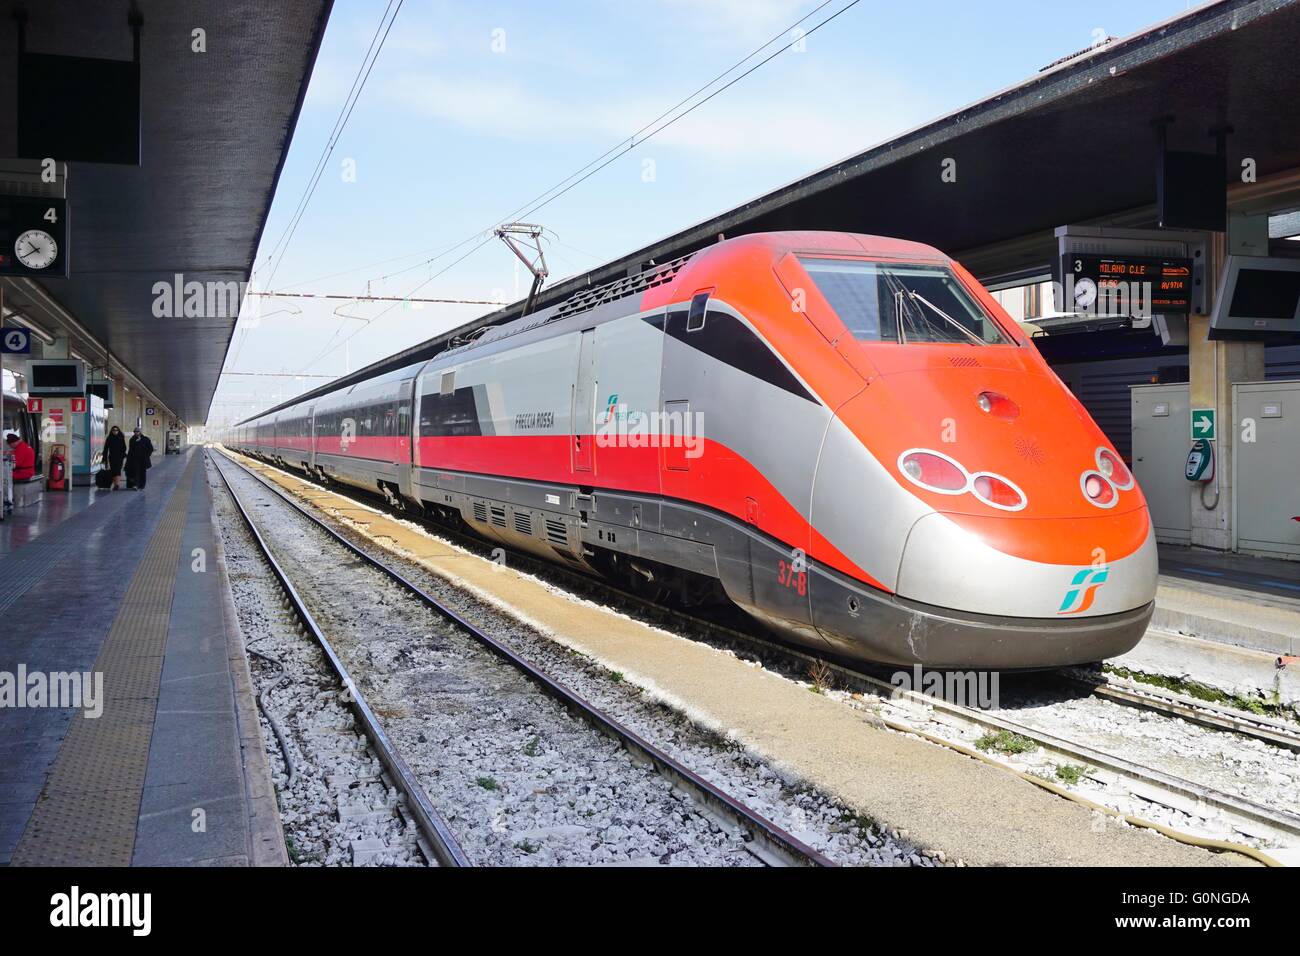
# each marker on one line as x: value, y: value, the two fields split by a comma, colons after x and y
x: 1203, y: 424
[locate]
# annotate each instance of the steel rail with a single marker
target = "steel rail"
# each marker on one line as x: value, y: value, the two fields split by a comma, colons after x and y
x: 1267, y: 821
x: 1271, y: 822
x: 1173, y: 704
x: 442, y: 844
x: 769, y: 842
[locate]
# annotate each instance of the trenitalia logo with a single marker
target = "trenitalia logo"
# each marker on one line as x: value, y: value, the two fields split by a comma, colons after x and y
x: 611, y: 407
x: 1083, y: 589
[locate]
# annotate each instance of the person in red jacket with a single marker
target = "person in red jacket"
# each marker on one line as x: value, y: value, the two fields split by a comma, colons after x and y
x: 24, y: 457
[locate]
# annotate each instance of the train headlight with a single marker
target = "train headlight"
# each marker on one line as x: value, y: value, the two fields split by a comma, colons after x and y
x: 997, y: 491
x: 1097, y: 488
x: 933, y: 471
x: 1110, y: 465
x: 998, y: 405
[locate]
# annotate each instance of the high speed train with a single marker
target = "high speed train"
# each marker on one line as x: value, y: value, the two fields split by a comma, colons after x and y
x: 845, y: 435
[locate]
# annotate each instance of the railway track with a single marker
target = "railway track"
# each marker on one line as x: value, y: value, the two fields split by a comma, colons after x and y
x: 1172, y: 704
x: 765, y: 840
x: 438, y: 843
x: 1258, y: 821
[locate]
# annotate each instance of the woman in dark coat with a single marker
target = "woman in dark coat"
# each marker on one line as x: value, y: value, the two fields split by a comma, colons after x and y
x: 115, y: 453
x: 138, y: 451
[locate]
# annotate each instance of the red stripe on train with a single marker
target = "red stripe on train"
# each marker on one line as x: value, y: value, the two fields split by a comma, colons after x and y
x: 718, y: 478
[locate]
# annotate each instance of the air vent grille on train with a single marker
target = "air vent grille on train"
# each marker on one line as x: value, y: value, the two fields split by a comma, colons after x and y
x: 480, y: 512
x: 579, y: 302
x: 588, y: 299
x: 556, y: 532
x: 523, y: 522
x: 964, y: 361
x: 498, y: 516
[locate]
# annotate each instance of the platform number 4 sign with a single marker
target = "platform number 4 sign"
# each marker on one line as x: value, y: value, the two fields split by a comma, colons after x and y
x: 1203, y: 424
x: 16, y: 341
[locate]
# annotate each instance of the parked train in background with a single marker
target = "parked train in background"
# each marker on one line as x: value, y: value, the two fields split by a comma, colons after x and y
x: 843, y: 434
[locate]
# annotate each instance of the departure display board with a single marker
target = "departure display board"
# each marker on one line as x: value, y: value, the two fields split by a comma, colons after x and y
x: 1133, y: 283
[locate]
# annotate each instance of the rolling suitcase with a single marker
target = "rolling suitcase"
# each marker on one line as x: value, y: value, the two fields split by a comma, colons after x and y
x: 103, y: 479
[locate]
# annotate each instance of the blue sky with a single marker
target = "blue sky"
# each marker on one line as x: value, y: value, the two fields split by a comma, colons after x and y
x: 453, y: 132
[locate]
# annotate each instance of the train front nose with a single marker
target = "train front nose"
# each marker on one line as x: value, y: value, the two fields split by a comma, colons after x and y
x: 1012, y: 591
x: 996, y: 549
x: 977, y: 605
x: 971, y: 564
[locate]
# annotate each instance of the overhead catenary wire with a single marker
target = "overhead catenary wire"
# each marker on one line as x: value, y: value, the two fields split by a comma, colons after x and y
x: 632, y: 138
x: 617, y: 152
x: 340, y: 123
x: 282, y: 374
x: 374, y: 298
x: 330, y: 350
x: 730, y: 83
x: 345, y: 114
x: 439, y: 251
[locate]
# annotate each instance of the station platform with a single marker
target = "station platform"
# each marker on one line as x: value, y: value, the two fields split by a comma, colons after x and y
x: 1230, y: 598
x: 1229, y: 621
x: 151, y: 754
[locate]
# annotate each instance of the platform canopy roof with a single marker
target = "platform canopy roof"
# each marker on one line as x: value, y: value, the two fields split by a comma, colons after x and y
x: 1073, y: 143
x: 215, y: 127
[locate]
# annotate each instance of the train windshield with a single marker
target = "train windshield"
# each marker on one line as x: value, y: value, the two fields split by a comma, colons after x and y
x: 902, y: 302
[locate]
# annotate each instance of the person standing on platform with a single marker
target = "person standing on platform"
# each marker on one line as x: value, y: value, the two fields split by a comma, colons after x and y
x: 115, y: 454
x: 138, y: 452
x: 24, y: 456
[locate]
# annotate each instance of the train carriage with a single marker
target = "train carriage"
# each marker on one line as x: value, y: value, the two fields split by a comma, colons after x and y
x: 844, y: 435
x: 362, y: 435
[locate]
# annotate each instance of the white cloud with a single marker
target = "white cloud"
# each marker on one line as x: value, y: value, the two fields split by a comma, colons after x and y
x: 779, y: 121
x: 747, y: 19
x: 499, y: 108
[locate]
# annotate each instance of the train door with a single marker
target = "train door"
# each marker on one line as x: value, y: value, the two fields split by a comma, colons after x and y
x: 311, y: 437
x: 584, y: 403
x: 405, y: 460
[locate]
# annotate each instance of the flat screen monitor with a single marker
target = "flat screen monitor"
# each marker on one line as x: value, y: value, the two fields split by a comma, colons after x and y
x: 1258, y: 298
x: 104, y: 390
x: 50, y: 378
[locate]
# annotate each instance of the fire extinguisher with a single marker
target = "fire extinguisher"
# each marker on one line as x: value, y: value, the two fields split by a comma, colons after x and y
x: 58, y: 470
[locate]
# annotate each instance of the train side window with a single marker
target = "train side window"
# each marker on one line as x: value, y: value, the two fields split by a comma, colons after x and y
x: 695, y: 318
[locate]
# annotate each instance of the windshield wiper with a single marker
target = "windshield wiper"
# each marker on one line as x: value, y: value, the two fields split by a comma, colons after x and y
x: 899, y: 321
x: 948, y: 318
x: 903, y: 315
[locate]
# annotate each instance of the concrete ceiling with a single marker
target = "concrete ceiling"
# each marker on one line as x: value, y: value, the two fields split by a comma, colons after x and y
x: 215, y: 128
x: 1072, y: 144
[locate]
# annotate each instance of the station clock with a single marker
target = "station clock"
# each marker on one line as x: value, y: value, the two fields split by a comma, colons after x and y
x: 33, y: 236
